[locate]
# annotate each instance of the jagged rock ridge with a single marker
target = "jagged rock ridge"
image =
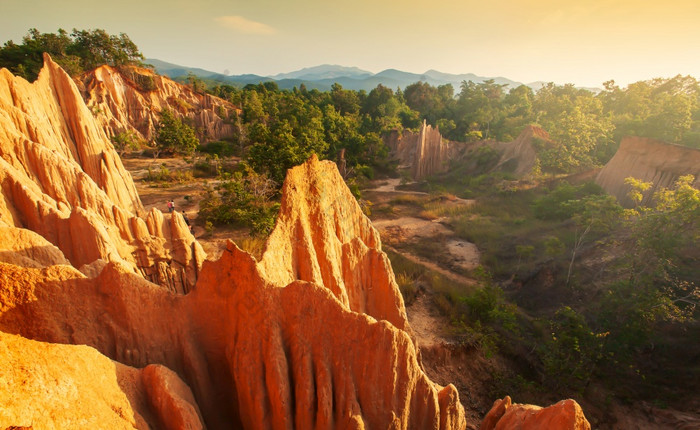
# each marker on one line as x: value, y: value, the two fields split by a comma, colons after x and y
x: 256, y: 353
x: 651, y: 161
x: 62, y: 179
x: 424, y: 153
x: 132, y: 99
x: 505, y: 415
x: 427, y: 153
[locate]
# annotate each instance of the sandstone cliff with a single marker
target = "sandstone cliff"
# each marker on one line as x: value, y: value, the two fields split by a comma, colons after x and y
x: 313, y: 336
x: 423, y: 154
x: 132, y: 99
x: 651, y: 161
x: 61, y: 178
x: 520, y: 156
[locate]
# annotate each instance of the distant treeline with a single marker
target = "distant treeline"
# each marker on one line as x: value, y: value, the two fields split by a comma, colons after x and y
x: 585, y: 127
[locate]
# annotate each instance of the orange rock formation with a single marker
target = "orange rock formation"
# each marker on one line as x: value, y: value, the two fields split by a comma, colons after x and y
x: 256, y: 349
x: 651, y: 161
x: 519, y: 156
x: 313, y: 336
x: 505, y: 415
x: 424, y: 153
x: 62, y: 179
x: 132, y: 99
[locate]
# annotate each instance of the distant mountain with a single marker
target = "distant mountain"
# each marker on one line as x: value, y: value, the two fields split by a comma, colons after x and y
x: 324, y: 76
x: 175, y: 70
x: 325, y: 71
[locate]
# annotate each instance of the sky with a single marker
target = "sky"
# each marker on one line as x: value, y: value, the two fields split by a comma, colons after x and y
x: 584, y: 42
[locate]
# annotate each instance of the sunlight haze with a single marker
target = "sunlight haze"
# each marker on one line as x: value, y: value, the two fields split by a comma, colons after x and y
x: 585, y: 43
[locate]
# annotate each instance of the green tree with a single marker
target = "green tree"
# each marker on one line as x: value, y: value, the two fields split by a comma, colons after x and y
x: 243, y: 199
x: 174, y: 136
x: 593, y: 214
x: 80, y: 51
x: 126, y: 141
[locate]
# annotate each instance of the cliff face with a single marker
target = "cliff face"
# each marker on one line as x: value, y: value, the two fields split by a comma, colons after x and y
x: 132, y: 99
x: 424, y: 153
x: 62, y: 179
x: 651, y: 161
x: 519, y: 156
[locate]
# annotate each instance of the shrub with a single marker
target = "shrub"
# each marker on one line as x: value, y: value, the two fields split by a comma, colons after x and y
x: 219, y: 148
x: 244, y: 199
x: 174, y: 136
x: 127, y: 141
x: 571, y: 351
x: 407, y: 286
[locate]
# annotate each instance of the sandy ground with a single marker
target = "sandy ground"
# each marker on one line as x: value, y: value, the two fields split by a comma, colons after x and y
x: 424, y: 321
x: 405, y: 229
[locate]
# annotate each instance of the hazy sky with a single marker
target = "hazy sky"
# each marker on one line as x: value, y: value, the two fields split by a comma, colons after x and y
x: 585, y: 42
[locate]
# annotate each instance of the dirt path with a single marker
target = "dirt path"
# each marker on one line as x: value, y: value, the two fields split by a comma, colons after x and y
x: 389, y: 186
x: 424, y: 322
x: 432, y: 266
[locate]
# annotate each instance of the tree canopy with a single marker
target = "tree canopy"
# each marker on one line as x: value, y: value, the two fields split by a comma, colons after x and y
x: 76, y: 52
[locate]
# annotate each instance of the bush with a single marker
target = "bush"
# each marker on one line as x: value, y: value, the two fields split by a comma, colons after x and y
x: 571, y: 351
x: 127, y: 141
x: 174, y: 136
x: 219, y: 148
x: 553, y: 205
x: 407, y: 286
x: 243, y: 199
x: 160, y: 175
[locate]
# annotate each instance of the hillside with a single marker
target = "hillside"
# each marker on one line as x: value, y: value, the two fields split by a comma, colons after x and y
x: 131, y: 99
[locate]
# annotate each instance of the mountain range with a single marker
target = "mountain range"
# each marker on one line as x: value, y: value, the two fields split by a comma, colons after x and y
x: 324, y: 76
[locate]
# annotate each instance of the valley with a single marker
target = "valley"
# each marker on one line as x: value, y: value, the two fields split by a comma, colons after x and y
x: 403, y: 259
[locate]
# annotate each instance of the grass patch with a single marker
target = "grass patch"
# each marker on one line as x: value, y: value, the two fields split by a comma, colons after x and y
x: 408, y: 200
x: 163, y: 176
x: 254, y: 245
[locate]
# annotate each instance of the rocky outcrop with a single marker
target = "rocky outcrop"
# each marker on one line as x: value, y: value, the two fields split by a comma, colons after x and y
x: 505, y: 415
x: 651, y: 161
x: 519, y: 156
x: 314, y: 335
x: 423, y: 154
x: 61, y: 178
x: 47, y: 386
x: 132, y: 99
x: 333, y: 244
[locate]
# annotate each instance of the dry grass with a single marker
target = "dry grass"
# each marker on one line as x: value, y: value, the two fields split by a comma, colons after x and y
x: 407, y: 286
x: 254, y: 245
